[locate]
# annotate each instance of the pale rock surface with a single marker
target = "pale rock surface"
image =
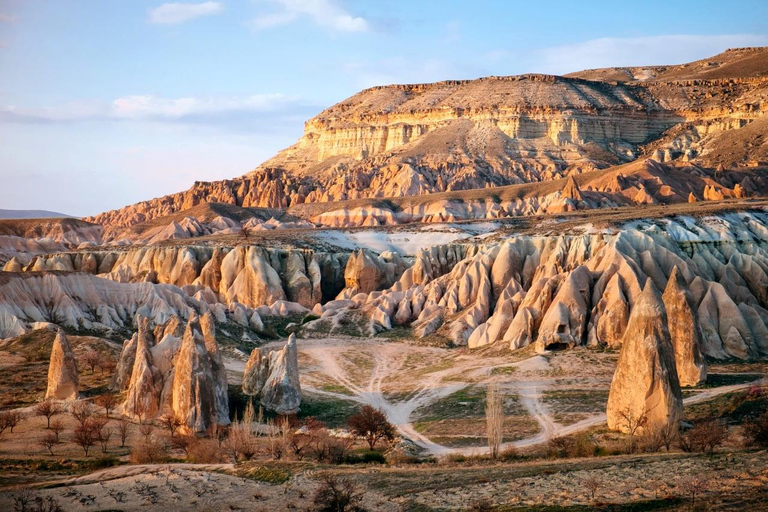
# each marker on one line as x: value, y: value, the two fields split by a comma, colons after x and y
x: 645, y: 381
x: 62, y: 370
x: 274, y: 378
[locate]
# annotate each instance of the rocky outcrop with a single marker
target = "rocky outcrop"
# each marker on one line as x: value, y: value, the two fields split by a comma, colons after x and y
x: 561, y: 291
x: 684, y: 331
x: 645, y: 384
x: 171, y: 375
x: 62, y: 370
x: 366, y: 272
x: 273, y: 378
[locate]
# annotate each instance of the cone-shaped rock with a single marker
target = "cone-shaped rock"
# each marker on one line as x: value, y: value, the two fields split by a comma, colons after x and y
x: 208, y: 326
x: 274, y: 377
x: 645, y: 381
x: 194, y: 397
x: 142, y: 400
x: 684, y: 332
x: 62, y: 370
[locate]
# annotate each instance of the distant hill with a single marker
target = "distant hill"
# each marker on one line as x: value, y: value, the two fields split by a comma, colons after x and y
x: 30, y: 214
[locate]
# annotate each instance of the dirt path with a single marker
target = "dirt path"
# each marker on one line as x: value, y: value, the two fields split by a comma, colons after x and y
x: 418, y: 389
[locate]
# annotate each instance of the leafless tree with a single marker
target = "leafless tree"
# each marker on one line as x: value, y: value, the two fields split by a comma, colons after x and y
x: 91, y: 358
x: 338, y: 495
x: 57, y: 427
x: 633, y: 422
x: 371, y: 424
x: 708, y: 435
x: 172, y: 422
x: 592, y: 484
x: 693, y: 486
x: 48, y: 441
x: 182, y: 442
x: 101, y: 432
x: 122, y: 429
x: 108, y: 401
x: 47, y: 408
x: 756, y: 431
x: 9, y: 420
x: 494, y: 418
x: 85, y: 436
x: 146, y: 430
x: 82, y: 411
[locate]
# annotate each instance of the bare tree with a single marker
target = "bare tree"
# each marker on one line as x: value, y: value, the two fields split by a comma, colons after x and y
x: 10, y: 419
x: 82, y: 412
x: 172, y: 422
x: 337, y: 495
x: 48, y: 441
x: 693, y: 486
x: 633, y: 422
x: 47, y: 408
x: 57, y: 427
x: 146, y: 430
x: 122, y: 429
x: 85, y: 436
x: 108, y: 401
x: 709, y: 434
x: 494, y: 418
x: 756, y: 431
x: 91, y: 358
x: 592, y: 484
x: 372, y: 424
x: 101, y: 432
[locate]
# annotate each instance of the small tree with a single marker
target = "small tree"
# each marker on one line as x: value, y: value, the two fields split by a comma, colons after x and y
x: 92, y: 359
x: 82, y: 412
x: 10, y: 419
x: 47, y: 408
x: 693, y: 486
x: 338, y: 495
x: 592, y: 484
x: 172, y: 422
x: 122, y: 429
x: 633, y: 422
x: 494, y: 418
x: 57, y: 427
x: 108, y: 401
x: 85, y: 436
x: 48, y: 441
x: 709, y: 434
x: 101, y: 432
x: 372, y: 424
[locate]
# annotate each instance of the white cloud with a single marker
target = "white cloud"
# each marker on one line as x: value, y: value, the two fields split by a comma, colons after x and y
x: 175, y: 13
x: 324, y: 13
x: 153, y: 107
x: 637, y: 51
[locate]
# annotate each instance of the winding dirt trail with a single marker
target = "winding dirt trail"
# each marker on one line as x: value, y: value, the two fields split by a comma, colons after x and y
x: 389, y: 372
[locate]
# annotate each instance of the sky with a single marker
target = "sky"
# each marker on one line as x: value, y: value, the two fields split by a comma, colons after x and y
x: 104, y: 103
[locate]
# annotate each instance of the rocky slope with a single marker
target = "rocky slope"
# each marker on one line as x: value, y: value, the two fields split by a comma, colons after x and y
x: 408, y: 140
x: 565, y: 290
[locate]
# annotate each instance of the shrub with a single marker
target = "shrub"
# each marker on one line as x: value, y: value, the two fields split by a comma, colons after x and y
x: 149, y: 451
x: 338, y: 495
x: 756, y: 431
x: 205, y: 451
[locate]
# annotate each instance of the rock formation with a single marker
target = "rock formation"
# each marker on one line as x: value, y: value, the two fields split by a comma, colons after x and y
x: 645, y: 383
x: 274, y: 378
x: 179, y: 376
x: 62, y: 370
x: 684, y: 332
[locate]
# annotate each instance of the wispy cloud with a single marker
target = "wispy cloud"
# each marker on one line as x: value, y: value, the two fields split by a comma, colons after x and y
x: 175, y: 13
x: 637, y: 51
x: 324, y: 13
x: 254, y: 113
x: 7, y: 18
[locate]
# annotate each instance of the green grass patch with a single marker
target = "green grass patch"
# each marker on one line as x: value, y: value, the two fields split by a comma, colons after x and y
x: 334, y: 412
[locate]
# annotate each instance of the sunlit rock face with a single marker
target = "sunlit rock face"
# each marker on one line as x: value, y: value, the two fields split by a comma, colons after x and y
x: 645, y: 387
x: 62, y: 370
x: 174, y: 372
x: 561, y: 291
x: 273, y: 378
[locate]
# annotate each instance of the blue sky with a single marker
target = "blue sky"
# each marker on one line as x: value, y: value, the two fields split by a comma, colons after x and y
x: 106, y: 103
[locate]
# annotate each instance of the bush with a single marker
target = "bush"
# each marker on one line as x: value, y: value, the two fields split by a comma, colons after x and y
x: 205, y: 451
x: 149, y: 451
x: 756, y: 431
x: 338, y: 495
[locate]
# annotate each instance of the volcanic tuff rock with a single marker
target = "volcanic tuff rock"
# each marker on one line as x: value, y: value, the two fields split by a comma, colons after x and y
x: 183, y: 377
x: 684, y: 332
x: 645, y: 382
x: 62, y: 370
x: 564, y: 290
x: 274, y: 378
x: 408, y: 140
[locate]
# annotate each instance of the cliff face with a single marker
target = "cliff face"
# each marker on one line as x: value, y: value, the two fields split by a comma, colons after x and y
x: 406, y: 140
